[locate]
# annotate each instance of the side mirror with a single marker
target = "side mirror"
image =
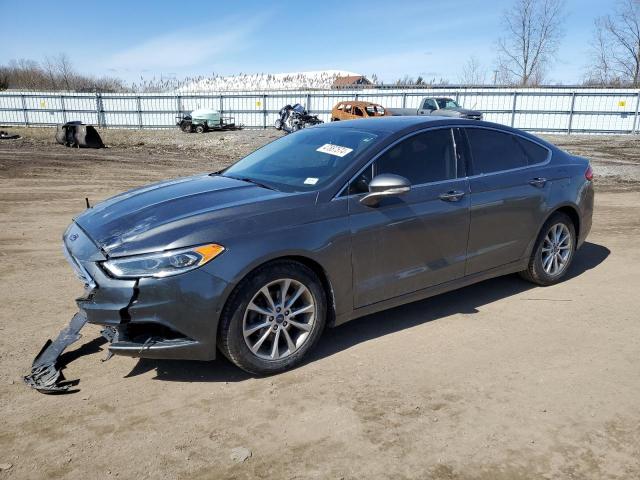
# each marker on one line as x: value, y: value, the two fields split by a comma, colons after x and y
x: 385, y: 185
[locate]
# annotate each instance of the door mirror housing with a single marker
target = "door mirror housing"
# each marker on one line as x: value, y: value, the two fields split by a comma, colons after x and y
x: 385, y: 185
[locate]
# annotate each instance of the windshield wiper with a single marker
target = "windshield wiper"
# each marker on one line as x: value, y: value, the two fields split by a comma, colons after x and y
x: 251, y: 180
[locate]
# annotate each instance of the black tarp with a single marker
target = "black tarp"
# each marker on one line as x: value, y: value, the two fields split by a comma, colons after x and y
x: 76, y: 134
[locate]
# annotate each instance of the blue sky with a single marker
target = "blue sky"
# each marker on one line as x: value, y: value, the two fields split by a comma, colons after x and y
x: 173, y: 38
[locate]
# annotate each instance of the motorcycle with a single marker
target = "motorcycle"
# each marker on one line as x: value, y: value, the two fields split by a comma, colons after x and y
x: 293, y: 118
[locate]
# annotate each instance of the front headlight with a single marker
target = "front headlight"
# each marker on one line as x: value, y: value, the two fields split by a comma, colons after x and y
x: 163, y: 264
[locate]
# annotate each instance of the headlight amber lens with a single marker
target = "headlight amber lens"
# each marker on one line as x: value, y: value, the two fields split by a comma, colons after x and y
x: 163, y: 264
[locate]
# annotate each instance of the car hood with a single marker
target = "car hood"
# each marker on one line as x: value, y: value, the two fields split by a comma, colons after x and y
x: 179, y: 213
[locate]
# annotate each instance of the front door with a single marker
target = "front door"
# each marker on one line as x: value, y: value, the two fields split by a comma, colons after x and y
x: 416, y: 240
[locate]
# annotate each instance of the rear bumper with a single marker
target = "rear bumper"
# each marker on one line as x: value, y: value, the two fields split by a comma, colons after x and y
x: 171, y: 318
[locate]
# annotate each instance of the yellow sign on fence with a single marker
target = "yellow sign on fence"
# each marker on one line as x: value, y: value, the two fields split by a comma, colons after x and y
x: 622, y: 103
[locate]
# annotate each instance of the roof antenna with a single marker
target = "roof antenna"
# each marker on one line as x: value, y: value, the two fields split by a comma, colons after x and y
x: 86, y: 199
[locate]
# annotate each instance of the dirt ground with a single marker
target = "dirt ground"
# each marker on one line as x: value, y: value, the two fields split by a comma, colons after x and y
x: 497, y: 381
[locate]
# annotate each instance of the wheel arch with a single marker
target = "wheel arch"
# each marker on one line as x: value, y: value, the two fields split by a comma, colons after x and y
x: 308, y: 262
x: 569, y: 210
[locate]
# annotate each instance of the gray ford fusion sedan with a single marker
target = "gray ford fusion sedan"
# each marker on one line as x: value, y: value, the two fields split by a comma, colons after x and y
x: 323, y: 226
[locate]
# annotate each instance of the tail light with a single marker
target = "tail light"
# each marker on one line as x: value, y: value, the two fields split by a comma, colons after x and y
x: 588, y: 174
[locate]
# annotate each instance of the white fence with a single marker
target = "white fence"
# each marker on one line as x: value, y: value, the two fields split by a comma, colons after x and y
x: 561, y: 110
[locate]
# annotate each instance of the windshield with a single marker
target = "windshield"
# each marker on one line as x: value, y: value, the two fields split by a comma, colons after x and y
x: 304, y: 160
x: 446, y: 103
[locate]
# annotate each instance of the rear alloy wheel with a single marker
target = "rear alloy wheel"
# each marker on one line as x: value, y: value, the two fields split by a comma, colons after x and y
x: 553, y: 251
x: 273, y: 318
x: 200, y: 129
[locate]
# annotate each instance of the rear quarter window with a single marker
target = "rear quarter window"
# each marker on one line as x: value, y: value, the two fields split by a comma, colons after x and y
x: 535, y: 153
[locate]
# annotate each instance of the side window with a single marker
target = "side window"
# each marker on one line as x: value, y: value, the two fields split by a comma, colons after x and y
x: 534, y: 152
x: 422, y: 158
x: 493, y: 151
x: 430, y: 104
x: 357, y: 111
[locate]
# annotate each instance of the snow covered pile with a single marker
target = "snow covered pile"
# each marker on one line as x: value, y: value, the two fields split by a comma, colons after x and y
x: 321, y: 79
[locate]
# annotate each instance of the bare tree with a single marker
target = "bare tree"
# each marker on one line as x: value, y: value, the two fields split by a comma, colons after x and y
x: 53, y: 74
x: 473, y: 72
x: 616, y: 46
x: 50, y: 68
x: 65, y: 70
x: 532, y: 33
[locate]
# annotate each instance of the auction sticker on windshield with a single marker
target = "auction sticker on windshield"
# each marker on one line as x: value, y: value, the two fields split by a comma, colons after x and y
x: 336, y: 150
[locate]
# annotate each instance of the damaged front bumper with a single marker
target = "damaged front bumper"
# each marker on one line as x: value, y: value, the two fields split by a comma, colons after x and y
x: 163, y: 318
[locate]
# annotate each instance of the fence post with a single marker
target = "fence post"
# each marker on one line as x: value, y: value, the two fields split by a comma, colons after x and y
x: 221, y: 109
x: 179, y: 105
x: 635, y: 119
x: 64, y: 110
x: 404, y: 100
x: 264, y: 111
x: 139, y: 107
x: 98, y: 108
x: 24, y: 110
x: 513, y: 108
x: 309, y: 102
x: 573, y: 104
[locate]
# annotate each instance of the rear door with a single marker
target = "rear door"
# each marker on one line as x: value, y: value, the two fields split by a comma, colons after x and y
x: 416, y: 240
x: 508, y: 194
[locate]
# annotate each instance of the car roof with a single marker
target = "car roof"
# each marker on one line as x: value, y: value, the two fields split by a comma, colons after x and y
x: 357, y: 103
x: 392, y: 125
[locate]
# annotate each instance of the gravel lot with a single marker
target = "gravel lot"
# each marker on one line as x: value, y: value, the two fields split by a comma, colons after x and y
x: 497, y: 381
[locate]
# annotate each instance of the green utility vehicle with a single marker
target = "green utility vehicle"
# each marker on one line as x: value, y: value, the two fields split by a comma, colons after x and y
x: 203, y: 120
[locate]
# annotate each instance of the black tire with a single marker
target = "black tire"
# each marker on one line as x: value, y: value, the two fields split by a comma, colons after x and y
x: 185, y: 127
x: 200, y: 128
x: 535, y: 271
x: 278, y: 124
x: 231, y: 341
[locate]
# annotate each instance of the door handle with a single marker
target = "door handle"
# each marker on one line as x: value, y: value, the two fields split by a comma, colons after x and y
x: 452, y: 196
x: 538, y: 182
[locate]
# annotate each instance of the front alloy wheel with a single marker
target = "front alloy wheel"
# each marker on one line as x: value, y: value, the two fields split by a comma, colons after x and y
x: 273, y: 318
x: 278, y: 319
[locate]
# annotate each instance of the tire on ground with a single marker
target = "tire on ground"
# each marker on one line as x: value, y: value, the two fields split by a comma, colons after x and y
x: 535, y: 272
x: 230, y: 334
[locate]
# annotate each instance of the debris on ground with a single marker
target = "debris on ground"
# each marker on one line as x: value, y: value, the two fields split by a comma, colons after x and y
x: 46, y: 375
x: 7, y: 136
x: 5, y: 466
x: 77, y: 134
x: 240, y: 454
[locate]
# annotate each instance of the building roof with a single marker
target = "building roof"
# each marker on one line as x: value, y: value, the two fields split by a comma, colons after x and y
x: 350, y: 80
